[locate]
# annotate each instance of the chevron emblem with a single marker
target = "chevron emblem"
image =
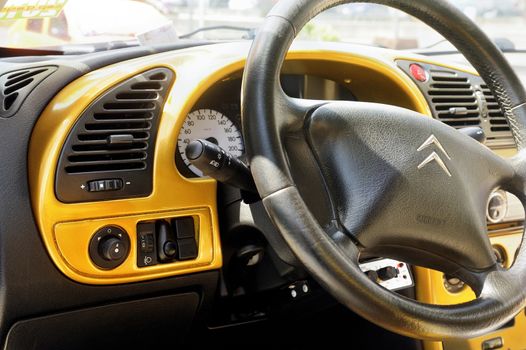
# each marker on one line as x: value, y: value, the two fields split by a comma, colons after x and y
x: 434, y: 157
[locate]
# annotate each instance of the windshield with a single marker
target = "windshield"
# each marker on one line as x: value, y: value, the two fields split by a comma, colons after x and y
x: 164, y: 21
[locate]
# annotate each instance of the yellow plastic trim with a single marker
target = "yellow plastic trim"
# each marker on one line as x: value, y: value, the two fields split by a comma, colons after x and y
x: 66, y: 236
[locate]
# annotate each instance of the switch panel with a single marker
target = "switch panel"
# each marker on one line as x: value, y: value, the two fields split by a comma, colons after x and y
x: 166, y: 241
x: 389, y: 273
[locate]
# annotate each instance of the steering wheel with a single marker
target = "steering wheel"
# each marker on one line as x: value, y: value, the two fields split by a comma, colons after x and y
x: 344, y: 179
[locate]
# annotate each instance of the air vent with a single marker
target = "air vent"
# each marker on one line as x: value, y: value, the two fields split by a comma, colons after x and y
x: 453, y: 99
x: 498, y: 123
x: 115, y: 139
x: 16, y: 85
x: 461, y: 100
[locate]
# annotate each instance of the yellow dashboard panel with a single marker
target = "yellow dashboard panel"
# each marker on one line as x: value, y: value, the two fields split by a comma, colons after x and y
x: 67, y: 228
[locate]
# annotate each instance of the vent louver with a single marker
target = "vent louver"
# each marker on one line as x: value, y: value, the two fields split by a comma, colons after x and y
x: 498, y: 123
x: 453, y: 99
x: 115, y: 139
x: 461, y: 99
x: 16, y: 85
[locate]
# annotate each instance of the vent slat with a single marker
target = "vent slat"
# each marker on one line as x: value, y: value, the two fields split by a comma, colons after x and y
x: 98, y: 137
x: 446, y: 106
x: 103, y: 158
x: 120, y: 126
x: 123, y: 115
x: 451, y: 92
x: 460, y: 120
x: 128, y: 106
x: 445, y: 78
x: 15, y: 78
x: 99, y: 167
x: 108, y: 148
x: 453, y: 99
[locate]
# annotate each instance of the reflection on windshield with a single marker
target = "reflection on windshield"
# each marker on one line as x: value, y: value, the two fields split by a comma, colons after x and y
x: 83, y: 21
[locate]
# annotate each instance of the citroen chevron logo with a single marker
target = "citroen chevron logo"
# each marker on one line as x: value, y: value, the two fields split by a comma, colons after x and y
x: 432, y: 140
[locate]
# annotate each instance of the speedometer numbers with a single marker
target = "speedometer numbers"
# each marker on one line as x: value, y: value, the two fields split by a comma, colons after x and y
x: 212, y: 126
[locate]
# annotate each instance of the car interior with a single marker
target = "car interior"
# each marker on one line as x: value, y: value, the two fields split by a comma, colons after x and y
x: 266, y: 192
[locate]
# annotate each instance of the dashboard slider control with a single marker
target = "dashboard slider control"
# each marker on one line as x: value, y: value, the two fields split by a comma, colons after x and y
x: 104, y: 185
x: 217, y: 163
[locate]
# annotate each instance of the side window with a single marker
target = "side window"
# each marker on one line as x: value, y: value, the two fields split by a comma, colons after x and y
x: 58, y: 27
x: 35, y: 25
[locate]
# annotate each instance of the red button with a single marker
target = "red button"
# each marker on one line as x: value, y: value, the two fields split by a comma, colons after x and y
x: 418, y: 72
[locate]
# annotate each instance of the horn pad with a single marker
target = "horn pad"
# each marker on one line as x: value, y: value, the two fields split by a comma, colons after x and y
x: 402, y: 184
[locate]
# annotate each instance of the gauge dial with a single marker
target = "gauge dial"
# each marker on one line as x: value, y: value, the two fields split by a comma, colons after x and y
x: 212, y: 126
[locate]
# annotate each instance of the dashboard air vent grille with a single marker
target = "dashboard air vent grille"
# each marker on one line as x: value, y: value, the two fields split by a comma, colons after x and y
x: 460, y: 100
x: 453, y: 99
x: 115, y: 139
x: 16, y: 85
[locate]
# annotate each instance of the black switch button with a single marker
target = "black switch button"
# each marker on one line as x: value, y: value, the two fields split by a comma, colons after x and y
x: 387, y: 273
x: 113, y: 249
x: 109, y: 185
x: 184, y: 227
x: 186, y: 249
x: 146, y: 254
x: 109, y: 247
x: 117, y: 184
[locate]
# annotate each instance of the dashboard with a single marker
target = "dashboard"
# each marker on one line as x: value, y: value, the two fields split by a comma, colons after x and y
x: 120, y: 210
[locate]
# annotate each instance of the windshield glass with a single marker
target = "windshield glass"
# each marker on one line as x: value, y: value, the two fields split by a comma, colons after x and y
x: 163, y: 21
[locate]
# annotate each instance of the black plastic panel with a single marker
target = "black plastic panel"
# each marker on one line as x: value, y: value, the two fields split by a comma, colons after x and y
x: 115, y: 139
x: 140, y: 324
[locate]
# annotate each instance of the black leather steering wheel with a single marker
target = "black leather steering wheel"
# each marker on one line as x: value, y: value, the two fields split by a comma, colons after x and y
x: 345, y: 179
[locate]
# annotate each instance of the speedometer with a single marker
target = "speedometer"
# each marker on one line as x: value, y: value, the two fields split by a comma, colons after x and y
x: 213, y: 126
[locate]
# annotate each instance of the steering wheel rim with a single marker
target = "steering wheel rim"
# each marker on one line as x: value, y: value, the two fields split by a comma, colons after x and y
x: 332, y: 257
